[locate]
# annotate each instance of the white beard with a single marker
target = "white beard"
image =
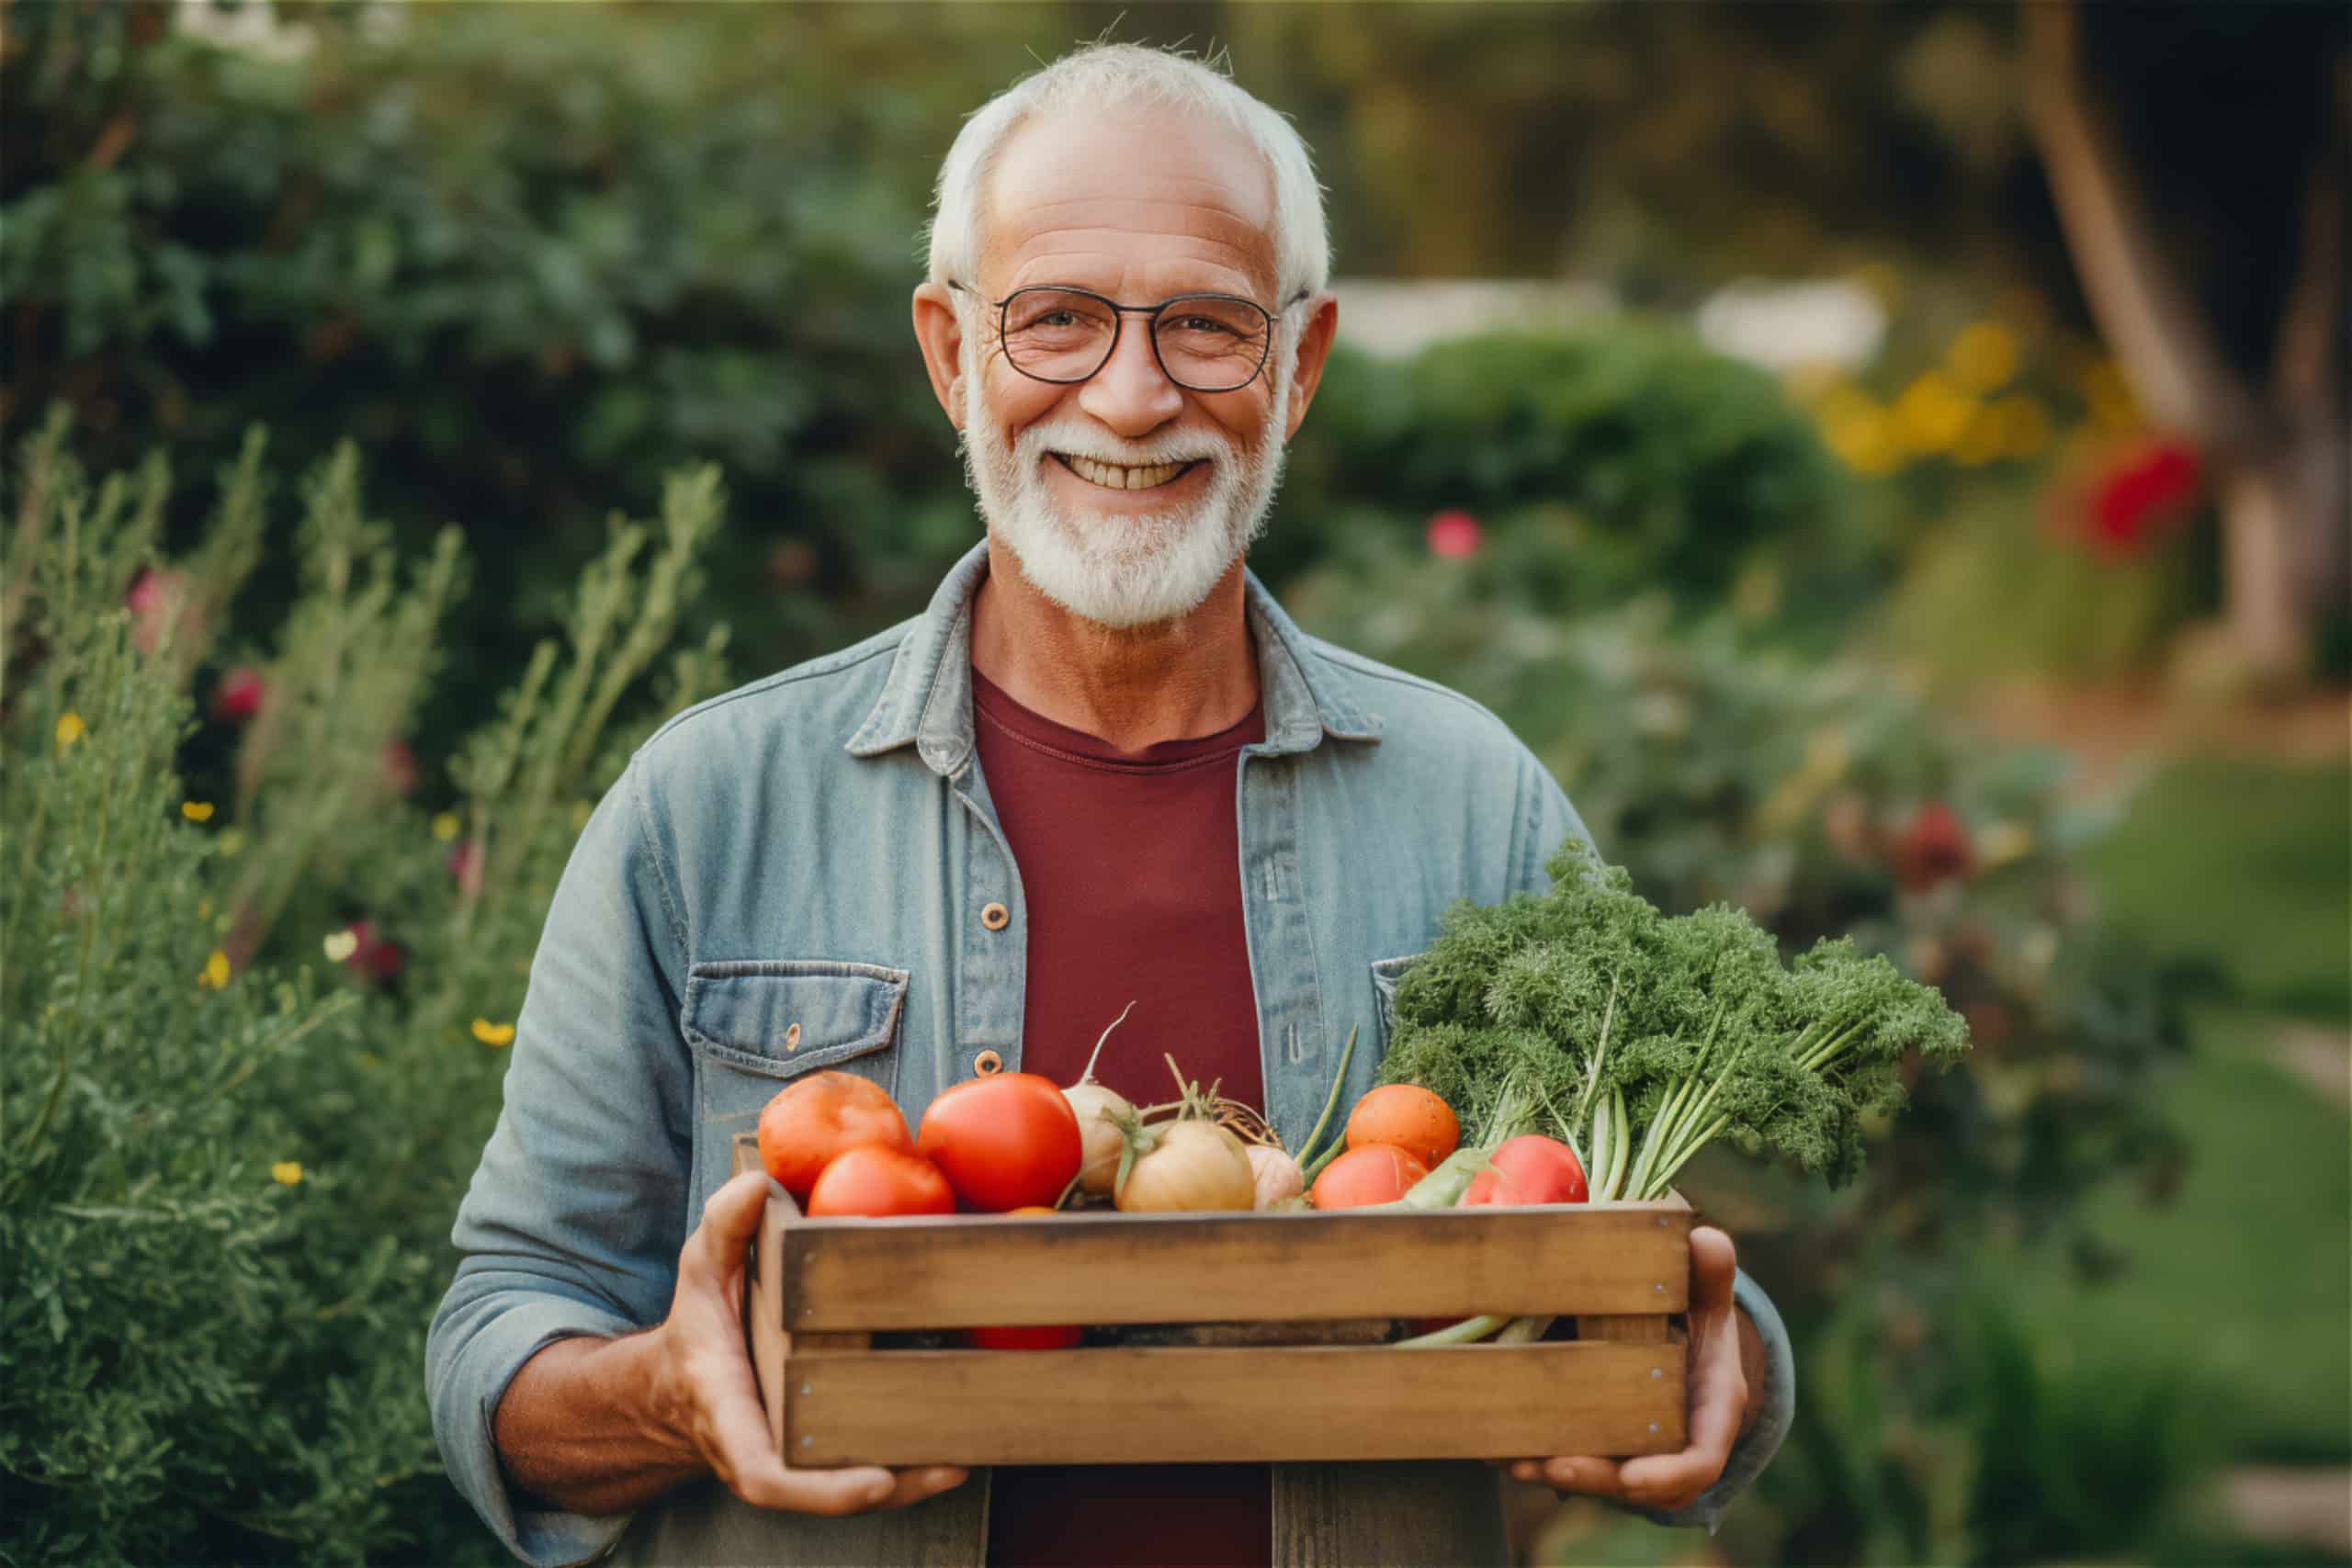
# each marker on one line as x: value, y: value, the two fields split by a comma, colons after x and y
x: 1114, y: 570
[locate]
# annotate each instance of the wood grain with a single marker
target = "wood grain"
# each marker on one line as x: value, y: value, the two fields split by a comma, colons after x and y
x: 1114, y: 1269
x: 1180, y: 1405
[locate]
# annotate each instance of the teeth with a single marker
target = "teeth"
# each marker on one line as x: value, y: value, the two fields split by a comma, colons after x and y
x: 1118, y: 476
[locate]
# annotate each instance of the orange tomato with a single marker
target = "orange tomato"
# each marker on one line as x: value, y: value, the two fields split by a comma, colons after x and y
x: 878, y: 1183
x: 1376, y: 1173
x: 1408, y: 1117
x: 814, y: 1119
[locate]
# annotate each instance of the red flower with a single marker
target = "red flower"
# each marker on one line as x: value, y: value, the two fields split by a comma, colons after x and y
x: 2145, y: 494
x: 397, y: 767
x: 374, y: 958
x: 1455, y: 535
x: 1932, y: 849
x: 238, y: 696
x: 465, y: 864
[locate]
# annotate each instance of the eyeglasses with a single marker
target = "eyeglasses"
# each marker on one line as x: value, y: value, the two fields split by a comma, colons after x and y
x: 1205, y: 342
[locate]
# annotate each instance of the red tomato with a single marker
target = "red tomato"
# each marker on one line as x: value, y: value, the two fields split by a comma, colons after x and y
x: 878, y: 1183
x: 816, y: 1118
x: 1004, y: 1141
x: 1376, y: 1173
x: 1407, y: 1116
x: 1529, y: 1170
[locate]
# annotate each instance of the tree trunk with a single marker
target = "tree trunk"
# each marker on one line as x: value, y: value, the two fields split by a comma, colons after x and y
x: 2276, y: 452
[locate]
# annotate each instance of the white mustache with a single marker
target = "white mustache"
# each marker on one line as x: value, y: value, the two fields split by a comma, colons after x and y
x: 1076, y: 441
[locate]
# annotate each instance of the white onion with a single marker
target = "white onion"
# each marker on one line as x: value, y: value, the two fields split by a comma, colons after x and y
x: 1196, y: 1165
x: 1099, y: 1161
x: 1277, y: 1175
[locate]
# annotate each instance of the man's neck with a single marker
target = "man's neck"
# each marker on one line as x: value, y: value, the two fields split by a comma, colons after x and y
x: 1132, y: 687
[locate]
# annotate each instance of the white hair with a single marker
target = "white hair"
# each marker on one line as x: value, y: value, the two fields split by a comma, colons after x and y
x: 1106, y: 75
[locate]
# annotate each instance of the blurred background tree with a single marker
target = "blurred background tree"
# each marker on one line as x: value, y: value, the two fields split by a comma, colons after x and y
x: 1765, y: 620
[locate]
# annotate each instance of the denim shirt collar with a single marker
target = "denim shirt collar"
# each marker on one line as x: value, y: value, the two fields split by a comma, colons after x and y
x: 928, y: 696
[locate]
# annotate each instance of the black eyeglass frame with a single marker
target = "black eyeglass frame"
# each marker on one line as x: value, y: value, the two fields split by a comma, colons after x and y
x: 1118, y: 325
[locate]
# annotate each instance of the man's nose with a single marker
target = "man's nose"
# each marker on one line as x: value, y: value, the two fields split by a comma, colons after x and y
x: 1131, y: 394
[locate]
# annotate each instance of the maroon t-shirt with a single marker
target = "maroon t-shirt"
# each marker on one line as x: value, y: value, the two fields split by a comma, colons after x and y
x: 1130, y: 867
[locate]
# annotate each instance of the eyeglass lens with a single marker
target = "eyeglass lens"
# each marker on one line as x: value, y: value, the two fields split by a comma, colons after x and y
x: 1207, y: 344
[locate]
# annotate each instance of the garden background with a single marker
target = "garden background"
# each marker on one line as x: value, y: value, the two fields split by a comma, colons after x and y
x: 1887, y: 461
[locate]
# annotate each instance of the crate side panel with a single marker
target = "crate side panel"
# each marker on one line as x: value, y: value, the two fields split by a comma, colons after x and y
x: 897, y: 1274
x: 1180, y: 1406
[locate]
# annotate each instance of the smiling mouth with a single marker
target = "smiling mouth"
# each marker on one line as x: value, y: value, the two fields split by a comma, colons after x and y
x: 1122, y: 476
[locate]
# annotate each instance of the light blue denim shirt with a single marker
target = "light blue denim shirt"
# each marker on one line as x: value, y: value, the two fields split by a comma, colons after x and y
x: 816, y: 849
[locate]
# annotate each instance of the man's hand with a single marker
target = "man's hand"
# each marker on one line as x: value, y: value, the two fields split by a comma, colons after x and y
x: 605, y: 1425
x: 1717, y: 1386
x: 711, y: 1397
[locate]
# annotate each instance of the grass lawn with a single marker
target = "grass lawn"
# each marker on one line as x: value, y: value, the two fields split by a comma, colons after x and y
x: 2243, y: 1284
x: 2249, y: 865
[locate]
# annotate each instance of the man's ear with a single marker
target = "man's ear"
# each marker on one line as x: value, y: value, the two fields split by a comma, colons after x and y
x: 939, y: 331
x: 1314, y: 351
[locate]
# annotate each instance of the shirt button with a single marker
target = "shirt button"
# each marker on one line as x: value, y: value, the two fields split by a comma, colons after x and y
x: 988, y: 1064
x: 996, y: 917
x: 792, y: 1038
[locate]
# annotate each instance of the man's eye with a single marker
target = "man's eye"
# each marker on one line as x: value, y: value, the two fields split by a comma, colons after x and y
x: 1057, y: 319
x: 1204, y: 324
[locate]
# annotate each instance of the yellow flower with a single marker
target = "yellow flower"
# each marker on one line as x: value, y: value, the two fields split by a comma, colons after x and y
x: 216, y: 970
x: 1864, y: 440
x: 445, y: 825
x: 1931, y: 414
x: 286, y: 1173
x: 2003, y: 842
x: 232, y: 841
x: 68, y: 728
x: 340, y: 945
x: 2025, y: 428
x: 1982, y: 442
x: 1983, y: 357
x: 197, y: 810
x: 204, y: 908
x: 493, y: 1035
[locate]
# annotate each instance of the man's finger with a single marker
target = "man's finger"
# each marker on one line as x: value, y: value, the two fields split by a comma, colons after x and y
x: 917, y: 1486
x: 729, y: 1220
x: 1593, y: 1477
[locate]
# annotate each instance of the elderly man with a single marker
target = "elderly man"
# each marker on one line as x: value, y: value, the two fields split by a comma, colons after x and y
x: 1103, y: 766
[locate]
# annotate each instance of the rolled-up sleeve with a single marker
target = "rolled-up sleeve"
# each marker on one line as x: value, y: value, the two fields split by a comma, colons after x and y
x: 575, y: 1216
x: 1546, y: 820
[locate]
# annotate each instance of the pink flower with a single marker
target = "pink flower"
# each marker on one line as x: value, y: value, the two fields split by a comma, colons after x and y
x: 397, y: 767
x: 1455, y: 535
x: 373, y: 958
x: 465, y: 864
x: 238, y: 696
x: 159, y: 599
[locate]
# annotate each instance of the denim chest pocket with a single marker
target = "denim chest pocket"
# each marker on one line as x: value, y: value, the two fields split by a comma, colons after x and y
x: 755, y: 1024
x: 1387, y: 975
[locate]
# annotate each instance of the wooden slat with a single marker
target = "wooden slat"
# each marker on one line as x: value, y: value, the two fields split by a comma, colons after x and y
x: 1178, y: 1406
x: 1112, y: 1269
x: 1631, y: 1330
x: 763, y: 1289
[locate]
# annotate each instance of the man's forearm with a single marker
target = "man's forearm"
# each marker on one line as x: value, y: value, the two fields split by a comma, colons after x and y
x: 583, y: 1425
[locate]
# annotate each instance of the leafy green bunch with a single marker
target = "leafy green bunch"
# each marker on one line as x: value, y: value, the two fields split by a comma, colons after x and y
x: 1646, y: 1036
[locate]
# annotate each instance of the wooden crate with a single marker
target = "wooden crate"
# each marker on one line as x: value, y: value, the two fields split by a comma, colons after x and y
x: 819, y: 1289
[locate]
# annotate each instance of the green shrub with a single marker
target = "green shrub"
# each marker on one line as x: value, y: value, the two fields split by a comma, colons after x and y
x: 249, y: 1034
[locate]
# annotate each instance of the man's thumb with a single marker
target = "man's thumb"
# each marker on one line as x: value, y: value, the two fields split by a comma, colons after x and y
x: 1713, y: 1262
x: 732, y: 1218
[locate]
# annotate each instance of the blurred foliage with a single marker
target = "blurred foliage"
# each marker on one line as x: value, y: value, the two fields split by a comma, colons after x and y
x: 227, y: 1168
x: 1825, y: 799
x: 1637, y: 459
